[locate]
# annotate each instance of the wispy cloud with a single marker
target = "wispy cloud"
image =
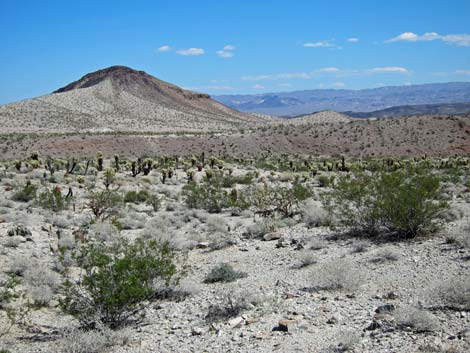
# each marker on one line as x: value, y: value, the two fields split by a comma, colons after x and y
x: 292, y: 75
x: 191, y: 51
x: 328, y: 70
x: 462, y: 40
x: 258, y: 86
x: 225, y: 54
x: 320, y: 44
x: 353, y: 40
x: 302, y: 75
x: 211, y: 88
x: 339, y: 84
x: 164, y: 48
x: 285, y: 85
x: 462, y: 72
x: 388, y: 70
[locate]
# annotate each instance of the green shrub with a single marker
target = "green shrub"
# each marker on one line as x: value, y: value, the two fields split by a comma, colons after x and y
x: 136, y: 196
x: 209, y: 196
x: 53, y: 199
x: 19, y: 230
x: 25, y: 193
x: 8, y: 290
x: 404, y: 203
x: 223, y: 273
x: 101, y: 203
x: 118, y: 281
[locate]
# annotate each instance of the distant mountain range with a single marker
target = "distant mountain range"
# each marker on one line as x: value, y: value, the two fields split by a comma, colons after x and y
x: 409, y: 110
x: 366, y: 100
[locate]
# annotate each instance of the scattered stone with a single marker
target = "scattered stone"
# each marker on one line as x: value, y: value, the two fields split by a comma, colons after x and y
x: 202, y: 245
x: 332, y: 320
x: 272, y: 236
x: 385, y: 309
x: 237, y: 322
x: 280, y: 244
x: 197, y: 331
x: 374, y: 325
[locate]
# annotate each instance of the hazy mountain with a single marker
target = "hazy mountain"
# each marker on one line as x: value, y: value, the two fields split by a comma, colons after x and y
x: 120, y: 98
x: 365, y: 100
x: 409, y: 110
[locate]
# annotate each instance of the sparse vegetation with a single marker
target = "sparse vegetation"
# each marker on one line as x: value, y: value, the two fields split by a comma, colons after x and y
x: 223, y: 273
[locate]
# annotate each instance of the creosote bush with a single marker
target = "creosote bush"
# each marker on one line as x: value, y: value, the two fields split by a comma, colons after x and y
x: 53, y: 199
x: 403, y: 203
x: 209, y: 196
x: 118, y: 281
x: 25, y: 193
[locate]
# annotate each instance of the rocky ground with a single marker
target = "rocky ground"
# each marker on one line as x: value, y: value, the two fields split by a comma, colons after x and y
x: 411, y: 136
x: 387, y: 302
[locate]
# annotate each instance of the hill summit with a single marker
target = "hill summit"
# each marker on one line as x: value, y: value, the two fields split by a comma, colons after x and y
x: 119, y: 98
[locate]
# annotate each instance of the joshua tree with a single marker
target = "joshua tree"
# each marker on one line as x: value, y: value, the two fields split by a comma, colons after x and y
x: 99, y: 158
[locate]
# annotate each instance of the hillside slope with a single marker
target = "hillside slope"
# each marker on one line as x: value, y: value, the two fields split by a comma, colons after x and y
x: 120, y: 98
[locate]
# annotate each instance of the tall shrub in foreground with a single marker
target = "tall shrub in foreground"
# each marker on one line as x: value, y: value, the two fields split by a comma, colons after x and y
x: 405, y: 203
x: 118, y: 281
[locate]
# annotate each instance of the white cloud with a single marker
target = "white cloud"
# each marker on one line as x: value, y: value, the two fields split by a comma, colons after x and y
x: 212, y: 88
x: 328, y: 70
x: 353, y: 40
x: 229, y: 47
x: 462, y: 72
x: 191, y: 51
x: 225, y: 54
x: 462, y: 40
x: 285, y: 85
x: 339, y: 84
x: 388, y: 69
x: 257, y: 86
x: 164, y: 48
x: 321, y: 44
x: 292, y: 75
x: 284, y: 76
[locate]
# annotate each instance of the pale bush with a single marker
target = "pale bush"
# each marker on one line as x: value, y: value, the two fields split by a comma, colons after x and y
x: 103, y: 231
x: 93, y: 341
x: 453, y: 293
x: 416, y: 319
x: 313, y: 214
x: 337, y: 275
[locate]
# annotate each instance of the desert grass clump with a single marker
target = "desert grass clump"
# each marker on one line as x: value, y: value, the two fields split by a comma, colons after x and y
x: 231, y: 305
x: 415, y: 319
x: 223, y: 273
x: 313, y: 214
x: 339, y: 275
x: 305, y: 259
x: 93, y: 341
x: 385, y: 255
x: 453, y: 293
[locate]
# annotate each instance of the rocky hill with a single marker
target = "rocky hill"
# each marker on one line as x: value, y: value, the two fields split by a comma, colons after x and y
x: 120, y: 98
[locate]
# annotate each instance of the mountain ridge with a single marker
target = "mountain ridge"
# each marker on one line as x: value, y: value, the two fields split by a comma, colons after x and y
x: 365, y: 100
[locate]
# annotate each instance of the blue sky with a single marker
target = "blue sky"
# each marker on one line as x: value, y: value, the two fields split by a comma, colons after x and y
x: 227, y: 47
